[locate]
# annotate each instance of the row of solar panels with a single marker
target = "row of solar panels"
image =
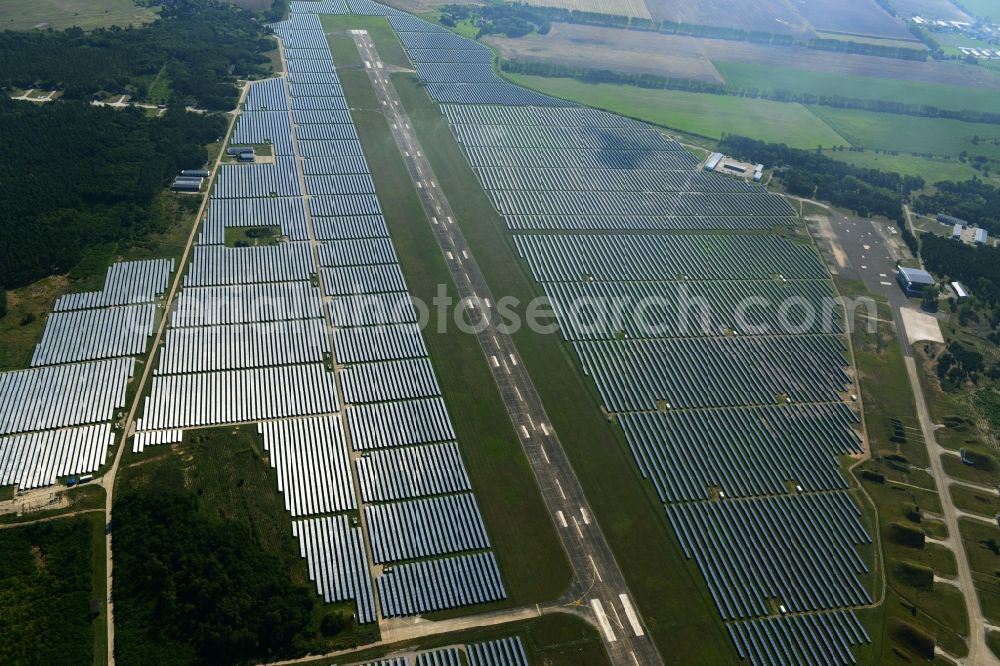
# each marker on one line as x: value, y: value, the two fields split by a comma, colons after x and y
x: 32, y: 460
x: 658, y: 204
x: 686, y: 373
x: 640, y: 223
x: 634, y: 257
x: 234, y: 347
x: 612, y: 310
x: 742, y: 452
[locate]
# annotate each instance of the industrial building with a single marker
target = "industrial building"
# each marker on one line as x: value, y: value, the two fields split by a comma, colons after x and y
x: 913, y: 280
x: 186, y: 185
x: 195, y: 173
x: 961, y: 293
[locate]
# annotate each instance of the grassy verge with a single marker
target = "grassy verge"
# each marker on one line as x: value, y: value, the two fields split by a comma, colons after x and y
x: 982, y: 545
x: 903, y: 495
x: 553, y: 640
x: 772, y: 79
x: 531, y: 558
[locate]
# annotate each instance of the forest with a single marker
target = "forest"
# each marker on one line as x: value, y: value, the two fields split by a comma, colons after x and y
x: 198, y: 46
x: 46, y: 592
x: 976, y: 266
x: 193, y: 589
x: 497, y: 19
x: 76, y: 175
x: 971, y: 200
x: 805, y: 173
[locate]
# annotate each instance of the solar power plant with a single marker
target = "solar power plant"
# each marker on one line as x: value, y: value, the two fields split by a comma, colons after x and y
x: 735, y: 414
x: 311, y: 336
x: 56, y: 417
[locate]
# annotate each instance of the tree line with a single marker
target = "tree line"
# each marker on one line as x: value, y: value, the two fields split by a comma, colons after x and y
x: 809, y: 174
x: 971, y: 200
x: 654, y: 81
x: 976, y: 266
x: 200, y: 46
x: 75, y: 176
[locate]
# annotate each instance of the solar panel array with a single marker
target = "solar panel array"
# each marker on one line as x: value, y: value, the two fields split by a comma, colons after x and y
x: 314, y: 339
x: 703, y: 346
x: 56, y: 416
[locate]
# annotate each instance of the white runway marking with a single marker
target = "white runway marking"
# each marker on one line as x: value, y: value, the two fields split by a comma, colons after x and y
x: 562, y: 519
x: 633, y: 617
x: 596, y: 570
x: 602, y: 620
x: 586, y: 518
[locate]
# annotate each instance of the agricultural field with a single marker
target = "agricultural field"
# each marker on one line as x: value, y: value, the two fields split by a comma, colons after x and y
x: 766, y: 16
x: 943, y: 9
x: 861, y: 17
x: 636, y: 8
x: 931, y: 169
x: 707, y: 115
x: 779, y: 79
x: 61, y: 14
x: 983, y: 8
x: 858, y: 17
x: 912, y: 134
x: 681, y: 56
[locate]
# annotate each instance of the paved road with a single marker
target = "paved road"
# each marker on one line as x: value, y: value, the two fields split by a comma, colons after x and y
x: 128, y: 424
x: 599, y: 586
x: 871, y: 257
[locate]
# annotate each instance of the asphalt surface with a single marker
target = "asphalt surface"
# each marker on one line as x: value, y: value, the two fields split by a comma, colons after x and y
x: 599, y: 592
x: 869, y: 252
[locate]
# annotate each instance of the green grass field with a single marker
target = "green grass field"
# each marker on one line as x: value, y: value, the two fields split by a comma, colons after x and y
x: 911, y: 134
x: 530, y: 555
x: 697, y: 113
x: 767, y: 78
x: 60, y: 14
x: 981, y: 545
x: 931, y: 169
x: 552, y: 640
